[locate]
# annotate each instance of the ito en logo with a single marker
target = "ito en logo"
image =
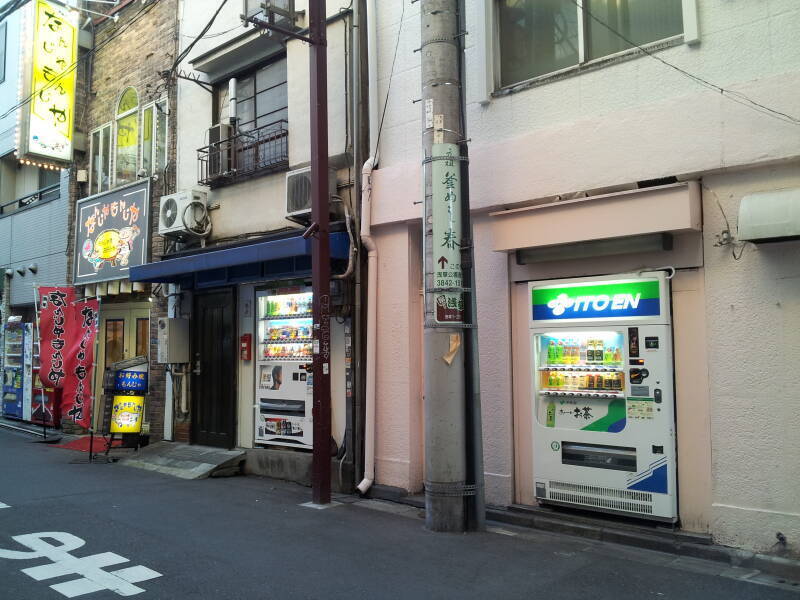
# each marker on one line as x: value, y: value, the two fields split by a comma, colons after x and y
x: 560, y: 304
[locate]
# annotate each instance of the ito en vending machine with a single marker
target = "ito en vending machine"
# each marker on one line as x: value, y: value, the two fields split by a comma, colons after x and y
x: 284, y: 355
x: 603, y: 401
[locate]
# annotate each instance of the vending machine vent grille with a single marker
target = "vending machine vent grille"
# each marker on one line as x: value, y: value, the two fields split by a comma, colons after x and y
x: 614, y: 499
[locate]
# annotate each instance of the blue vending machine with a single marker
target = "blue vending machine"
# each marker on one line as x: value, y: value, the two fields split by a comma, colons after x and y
x: 13, y: 369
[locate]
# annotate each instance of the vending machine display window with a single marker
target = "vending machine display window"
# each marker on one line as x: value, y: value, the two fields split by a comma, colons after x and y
x: 283, y: 368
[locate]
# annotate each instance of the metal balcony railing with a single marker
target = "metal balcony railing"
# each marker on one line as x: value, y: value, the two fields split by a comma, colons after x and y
x: 244, y: 155
x: 51, y: 192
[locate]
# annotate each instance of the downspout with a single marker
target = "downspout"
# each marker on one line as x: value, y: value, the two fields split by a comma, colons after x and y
x: 372, y: 254
x: 372, y: 296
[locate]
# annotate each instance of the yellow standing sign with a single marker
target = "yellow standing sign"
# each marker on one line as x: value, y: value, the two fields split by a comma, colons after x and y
x: 126, y: 414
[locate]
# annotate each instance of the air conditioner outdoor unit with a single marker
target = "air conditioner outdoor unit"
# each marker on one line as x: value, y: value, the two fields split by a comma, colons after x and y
x: 171, y: 211
x: 298, y: 195
x: 219, y: 150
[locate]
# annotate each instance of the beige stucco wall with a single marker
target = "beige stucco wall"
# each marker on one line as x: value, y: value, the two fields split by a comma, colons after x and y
x: 398, y: 409
x: 753, y: 312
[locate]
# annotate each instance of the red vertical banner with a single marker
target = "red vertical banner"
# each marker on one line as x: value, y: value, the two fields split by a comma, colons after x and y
x: 55, y: 322
x: 77, y: 399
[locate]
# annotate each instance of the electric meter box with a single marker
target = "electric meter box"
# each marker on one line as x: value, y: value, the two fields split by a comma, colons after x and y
x: 173, y: 340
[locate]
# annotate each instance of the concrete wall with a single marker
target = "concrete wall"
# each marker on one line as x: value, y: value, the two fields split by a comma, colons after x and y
x: 753, y: 313
x: 629, y: 120
x: 9, y: 88
x: 257, y: 205
x: 36, y: 235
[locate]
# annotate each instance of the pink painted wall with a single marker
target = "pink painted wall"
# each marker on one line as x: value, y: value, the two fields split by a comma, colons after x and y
x: 398, y: 410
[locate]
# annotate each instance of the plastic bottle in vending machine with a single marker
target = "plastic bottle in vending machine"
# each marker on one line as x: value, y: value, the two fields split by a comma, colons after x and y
x: 582, y: 353
x: 551, y: 352
x: 617, y: 356
x: 560, y: 352
x: 608, y: 355
x: 590, y: 353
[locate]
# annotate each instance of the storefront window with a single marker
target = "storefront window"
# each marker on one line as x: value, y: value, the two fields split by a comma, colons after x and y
x: 115, y: 340
x: 142, y: 336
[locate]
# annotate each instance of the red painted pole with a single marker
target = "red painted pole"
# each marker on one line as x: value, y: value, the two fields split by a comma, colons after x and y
x: 320, y: 256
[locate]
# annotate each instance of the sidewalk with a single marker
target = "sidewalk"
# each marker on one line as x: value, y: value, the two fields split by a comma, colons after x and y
x: 251, y: 537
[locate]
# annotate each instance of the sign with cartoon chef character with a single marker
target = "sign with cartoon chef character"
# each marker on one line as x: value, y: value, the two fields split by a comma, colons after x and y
x: 126, y: 414
x: 112, y: 232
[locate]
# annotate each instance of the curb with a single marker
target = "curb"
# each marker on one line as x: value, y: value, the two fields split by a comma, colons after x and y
x: 670, y: 542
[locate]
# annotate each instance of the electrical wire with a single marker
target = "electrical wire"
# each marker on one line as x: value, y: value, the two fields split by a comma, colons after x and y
x: 56, y: 80
x: 212, y: 35
x: 202, y: 33
x: 391, y: 73
x: 737, y: 97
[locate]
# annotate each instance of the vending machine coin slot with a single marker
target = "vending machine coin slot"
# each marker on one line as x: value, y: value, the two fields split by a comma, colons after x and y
x: 638, y: 375
x: 657, y: 396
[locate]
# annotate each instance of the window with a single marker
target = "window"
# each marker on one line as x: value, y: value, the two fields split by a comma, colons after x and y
x: 126, y: 138
x: 537, y: 37
x: 154, y: 137
x: 261, y: 97
x: 142, y: 336
x: 2, y: 52
x: 49, y: 177
x: 100, y: 161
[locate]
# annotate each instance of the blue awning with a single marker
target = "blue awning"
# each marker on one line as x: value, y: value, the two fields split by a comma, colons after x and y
x: 269, y: 259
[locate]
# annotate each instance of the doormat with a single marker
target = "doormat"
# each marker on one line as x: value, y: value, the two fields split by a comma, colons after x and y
x: 82, y: 444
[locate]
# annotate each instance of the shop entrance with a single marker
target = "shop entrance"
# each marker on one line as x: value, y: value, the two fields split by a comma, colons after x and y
x: 214, y: 369
x: 124, y: 333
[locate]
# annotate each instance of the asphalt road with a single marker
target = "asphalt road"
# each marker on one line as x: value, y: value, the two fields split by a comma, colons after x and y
x: 153, y: 536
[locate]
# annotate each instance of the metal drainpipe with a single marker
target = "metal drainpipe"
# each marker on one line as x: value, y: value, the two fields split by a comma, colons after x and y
x: 372, y: 251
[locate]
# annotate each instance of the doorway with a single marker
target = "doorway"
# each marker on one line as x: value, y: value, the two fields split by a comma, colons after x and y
x: 124, y: 333
x: 214, y: 369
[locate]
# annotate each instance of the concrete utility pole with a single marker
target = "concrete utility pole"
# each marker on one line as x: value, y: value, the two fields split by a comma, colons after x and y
x: 453, y: 450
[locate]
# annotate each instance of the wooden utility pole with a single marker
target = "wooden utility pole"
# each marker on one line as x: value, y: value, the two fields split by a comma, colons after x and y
x: 319, y: 233
x: 320, y: 255
x: 453, y: 448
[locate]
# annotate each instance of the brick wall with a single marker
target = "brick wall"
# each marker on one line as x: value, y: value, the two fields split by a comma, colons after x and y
x: 134, y: 51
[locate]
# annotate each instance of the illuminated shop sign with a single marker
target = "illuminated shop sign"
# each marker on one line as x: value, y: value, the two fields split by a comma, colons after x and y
x: 47, y: 120
x: 596, y: 300
x: 111, y: 236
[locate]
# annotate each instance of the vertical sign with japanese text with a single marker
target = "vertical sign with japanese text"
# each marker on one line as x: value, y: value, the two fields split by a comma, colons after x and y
x: 49, y: 117
x: 447, y: 233
x: 77, y: 399
x: 55, y: 314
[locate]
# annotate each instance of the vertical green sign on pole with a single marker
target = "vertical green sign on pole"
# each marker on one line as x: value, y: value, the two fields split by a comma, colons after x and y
x: 447, y: 230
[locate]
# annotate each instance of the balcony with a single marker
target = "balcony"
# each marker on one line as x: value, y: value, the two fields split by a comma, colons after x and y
x: 244, y: 155
x: 45, y: 194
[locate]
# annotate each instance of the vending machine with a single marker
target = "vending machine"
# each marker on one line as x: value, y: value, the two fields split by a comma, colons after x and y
x: 42, y: 398
x: 284, y: 381
x: 603, y: 400
x: 17, y: 370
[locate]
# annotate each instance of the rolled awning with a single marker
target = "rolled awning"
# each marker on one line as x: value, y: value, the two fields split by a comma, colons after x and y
x: 263, y: 260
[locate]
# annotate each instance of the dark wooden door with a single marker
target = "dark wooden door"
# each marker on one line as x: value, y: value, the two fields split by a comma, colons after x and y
x: 214, y: 369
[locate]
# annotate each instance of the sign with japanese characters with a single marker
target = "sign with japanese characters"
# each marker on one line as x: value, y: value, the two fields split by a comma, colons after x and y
x: 48, y: 119
x: 111, y: 233
x: 55, y: 314
x: 447, y: 234
x: 126, y: 414
x: 127, y: 380
x: 77, y: 398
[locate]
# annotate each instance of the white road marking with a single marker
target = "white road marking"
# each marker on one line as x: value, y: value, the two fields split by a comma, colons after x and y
x: 90, y: 568
x: 4, y: 505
